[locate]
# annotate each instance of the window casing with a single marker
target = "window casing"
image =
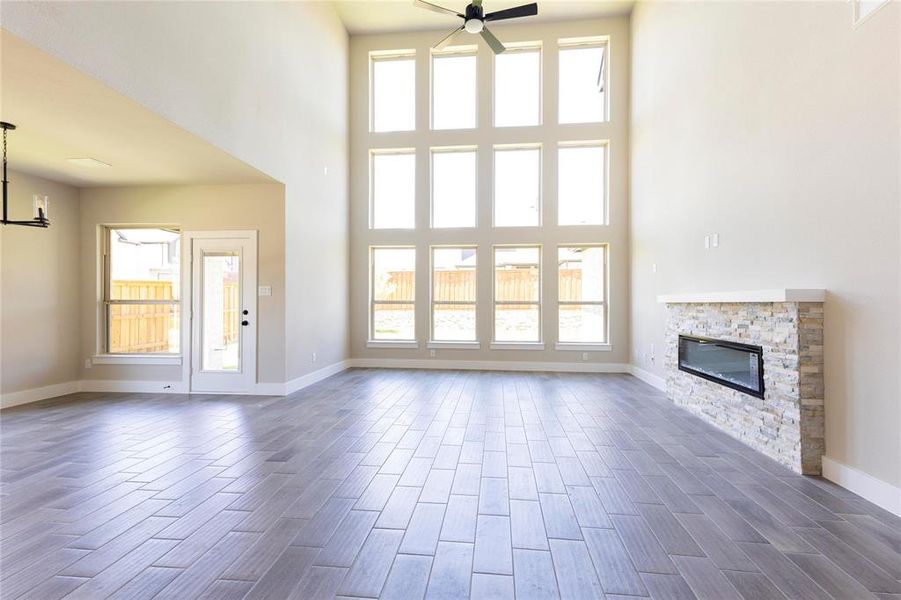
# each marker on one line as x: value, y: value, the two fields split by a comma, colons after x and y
x: 392, y: 284
x: 141, y: 298
x: 392, y: 91
x: 582, y: 294
x: 454, y: 294
x: 454, y: 88
x: 517, y: 294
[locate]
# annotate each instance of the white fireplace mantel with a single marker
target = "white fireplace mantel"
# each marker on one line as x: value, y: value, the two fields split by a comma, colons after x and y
x: 774, y: 295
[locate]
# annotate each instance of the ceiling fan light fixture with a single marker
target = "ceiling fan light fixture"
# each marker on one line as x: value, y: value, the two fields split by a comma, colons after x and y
x: 474, y: 25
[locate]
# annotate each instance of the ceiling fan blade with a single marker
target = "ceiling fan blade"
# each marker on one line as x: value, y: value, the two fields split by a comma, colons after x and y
x: 526, y: 10
x: 447, y: 40
x: 435, y: 8
x: 492, y: 41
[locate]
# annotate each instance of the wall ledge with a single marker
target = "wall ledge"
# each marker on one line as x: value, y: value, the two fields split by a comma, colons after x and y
x: 773, y: 295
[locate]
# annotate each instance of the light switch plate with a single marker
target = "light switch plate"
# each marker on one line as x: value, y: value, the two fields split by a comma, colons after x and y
x: 265, y: 290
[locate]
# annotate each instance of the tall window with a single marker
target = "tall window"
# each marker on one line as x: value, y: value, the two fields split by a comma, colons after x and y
x: 393, y: 189
x: 582, y: 285
x: 454, y: 294
x: 141, y: 290
x: 581, y: 184
x: 582, y: 91
x: 517, y: 86
x: 454, y: 88
x: 453, y: 187
x: 517, y: 294
x: 517, y: 186
x: 392, y: 91
x: 392, y: 295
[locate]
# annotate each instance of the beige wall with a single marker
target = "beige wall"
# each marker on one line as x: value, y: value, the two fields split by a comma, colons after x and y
x: 484, y: 235
x: 194, y: 208
x: 777, y: 126
x: 264, y: 81
x: 39, y: 283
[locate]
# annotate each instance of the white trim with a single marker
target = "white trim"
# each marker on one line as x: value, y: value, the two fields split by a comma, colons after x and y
x: 517, y: 346
x: 454, y: 345
x: 309, y: 379
x: 881, y: 493
x: 392, y: 344
x: 126, y: 386
x: 648, y: 377
x: 136, y: 359
x: 775, y: 295
x: 577, y: 347
x: 11, y: 399
x: 488, y: 365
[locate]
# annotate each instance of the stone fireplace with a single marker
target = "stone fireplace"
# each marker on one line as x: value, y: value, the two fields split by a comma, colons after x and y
x: 785, y: 420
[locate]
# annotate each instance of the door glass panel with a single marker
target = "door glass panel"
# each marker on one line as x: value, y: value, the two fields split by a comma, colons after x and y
x: 221, y: 311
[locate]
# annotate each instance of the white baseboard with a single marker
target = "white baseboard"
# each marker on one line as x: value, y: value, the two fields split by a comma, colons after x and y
x: 880, y: 493
x: 648, y: 377
x: 309, y: 379
x: 488, y: 365
x: 37, y: 394
x: 128, y: 386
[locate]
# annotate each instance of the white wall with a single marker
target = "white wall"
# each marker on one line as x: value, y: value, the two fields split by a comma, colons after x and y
x: 776, y: 125
x: 264, y: 81
x: 39, y: 282
x: 484, y: 235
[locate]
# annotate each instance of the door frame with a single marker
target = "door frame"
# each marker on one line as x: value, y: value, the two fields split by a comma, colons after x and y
x: 188, y: 238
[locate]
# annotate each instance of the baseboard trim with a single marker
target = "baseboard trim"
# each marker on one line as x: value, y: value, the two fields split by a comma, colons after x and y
x: 11, y: 399
x: 126, y: 386
x: 881, y: 493
x: 309, y: 379
x: 648, y: 377
x: 487, y: 365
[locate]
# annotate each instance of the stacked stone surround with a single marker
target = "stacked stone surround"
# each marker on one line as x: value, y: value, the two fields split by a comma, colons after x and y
x: 788, y: 423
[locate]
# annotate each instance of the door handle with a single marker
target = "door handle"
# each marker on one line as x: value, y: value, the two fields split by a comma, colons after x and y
x: 245, y: 323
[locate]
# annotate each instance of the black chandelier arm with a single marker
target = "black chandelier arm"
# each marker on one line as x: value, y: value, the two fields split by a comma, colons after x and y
x: 43, y: 224
x: 42, y: 220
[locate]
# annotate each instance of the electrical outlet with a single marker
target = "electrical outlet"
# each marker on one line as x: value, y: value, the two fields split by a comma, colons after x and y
x: 706, y: 242
x: 432, y: 353
x: 87, y: 363
x: 265, y: 290
x: 313, y: 358
x: 715, y: 240
x: 651, y: 354
x: 584, y: 356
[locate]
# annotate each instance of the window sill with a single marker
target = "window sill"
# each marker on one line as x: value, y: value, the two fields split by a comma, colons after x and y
x: 136, y: 359
x: 517, y: 345
x: 455, y: 345
x: 392, y: 344
x: 577, y: 347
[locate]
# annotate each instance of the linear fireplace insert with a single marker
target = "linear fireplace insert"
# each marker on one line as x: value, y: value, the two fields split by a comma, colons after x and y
x: 734, y: 365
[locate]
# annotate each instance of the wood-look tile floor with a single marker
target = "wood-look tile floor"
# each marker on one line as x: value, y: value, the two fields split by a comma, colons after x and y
x: 411, y: 484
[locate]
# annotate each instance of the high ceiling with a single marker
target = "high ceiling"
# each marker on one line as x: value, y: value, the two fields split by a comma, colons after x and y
x: 61, y: 113
x: 384, y: 16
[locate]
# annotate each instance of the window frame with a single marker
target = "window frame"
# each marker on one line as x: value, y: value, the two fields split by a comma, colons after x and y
x: 451, y: 51
x: 571, y: 345
x: 105, y: 354
x: 539, y: 303
x: 519, y: 48
x: 433, y: 341
x: 385, y: 56
x: 577, y: 43
x: 513, y: 147
x: 605, y: 206
x: 411, y: 151
x: 448, y: 150
x: 373, y: 341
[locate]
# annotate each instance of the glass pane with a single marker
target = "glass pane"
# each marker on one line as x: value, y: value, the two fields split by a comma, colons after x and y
x: 517, y: 88
x: 393, y: 274
x: 580, y: 185
x: 516, y: 187
x: 393, y: 94
x: 454, y: 274
x: 454, y: 323
x: 580, y: 273
x: 453, y: 92
x: 144, y: 264
x: 582, y: 323
x: 581, y: 100
x: 144, y: 328
x: 221, y: 311
x: 393, y: 191
x: 393, y: 322
x: 517, y: 323
x: 516, y: 274
x: 454, y: 189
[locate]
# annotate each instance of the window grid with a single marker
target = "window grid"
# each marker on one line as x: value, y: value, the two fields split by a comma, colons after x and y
x: 438, y: 215
x: 375, y: 214
x: 375, y: 105
x: 502, y: 105
x: 534, y: 302
x: 452, y: 303
x: 601, y: 82
x: 603, y: 338
x: 375, y: 303
x: 439, y: 114
x: 603, y: 189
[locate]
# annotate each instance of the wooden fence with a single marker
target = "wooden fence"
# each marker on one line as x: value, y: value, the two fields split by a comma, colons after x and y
x: 142, y: 328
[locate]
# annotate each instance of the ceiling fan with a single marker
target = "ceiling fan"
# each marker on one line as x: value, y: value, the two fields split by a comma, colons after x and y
x: 474, y: 20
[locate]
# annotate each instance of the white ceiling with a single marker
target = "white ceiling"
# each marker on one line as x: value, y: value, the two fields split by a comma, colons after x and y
x: 62, y: 113
x: 384, y: 16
